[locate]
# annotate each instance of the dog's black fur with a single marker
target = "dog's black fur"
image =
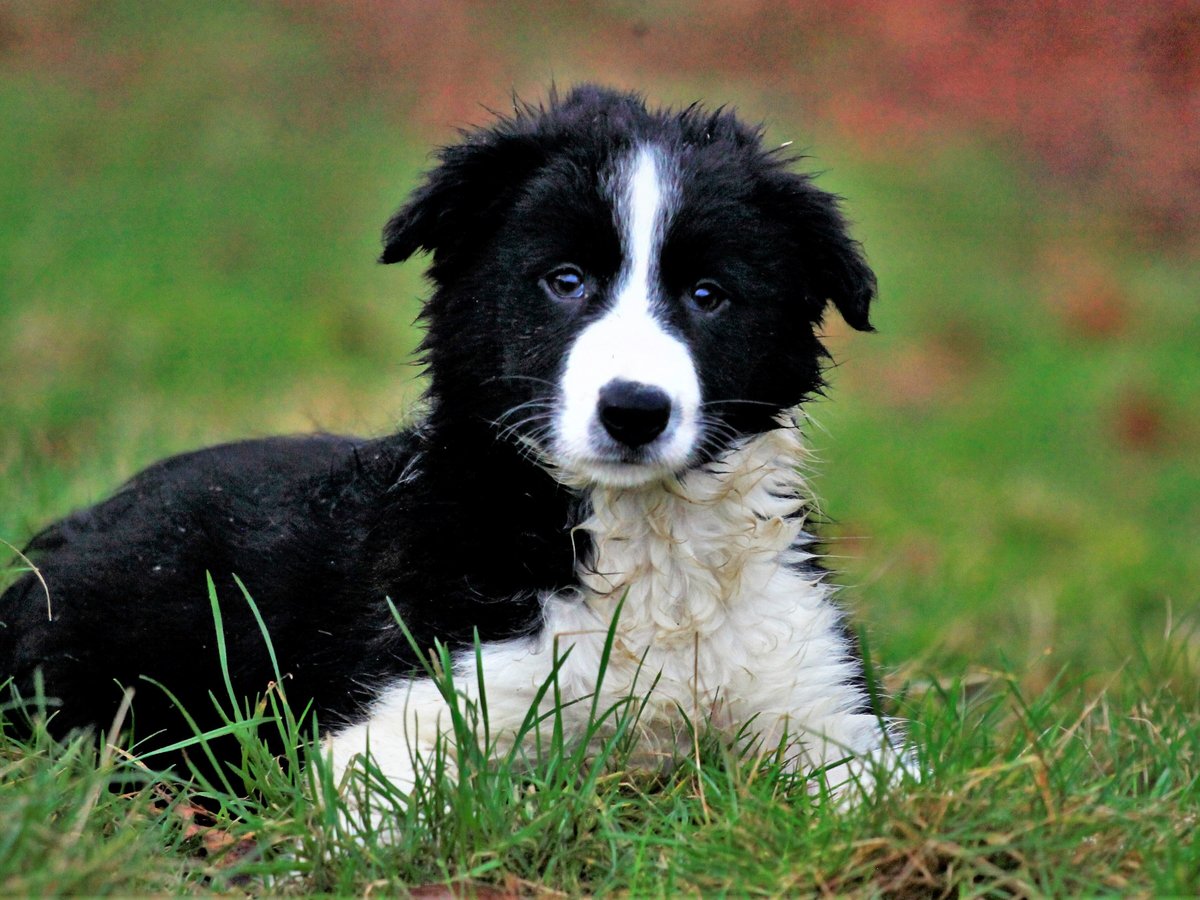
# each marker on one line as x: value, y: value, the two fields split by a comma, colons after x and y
x: 456, y: 525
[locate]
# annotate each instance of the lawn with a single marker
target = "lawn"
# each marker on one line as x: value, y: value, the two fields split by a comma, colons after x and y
x: 1007, y: 471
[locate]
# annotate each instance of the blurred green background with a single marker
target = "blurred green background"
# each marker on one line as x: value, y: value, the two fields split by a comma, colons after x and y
x: 191, y: 196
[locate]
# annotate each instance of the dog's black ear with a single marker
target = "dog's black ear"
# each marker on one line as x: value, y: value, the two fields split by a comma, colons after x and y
x: 843, y: 276
x: 462, y: 195
x: 836, y: 270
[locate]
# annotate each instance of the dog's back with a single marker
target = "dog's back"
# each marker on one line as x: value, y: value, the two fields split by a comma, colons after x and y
x: 125, y: 599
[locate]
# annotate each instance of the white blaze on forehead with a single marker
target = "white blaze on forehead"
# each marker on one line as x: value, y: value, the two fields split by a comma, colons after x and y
x: 630, y: 341
x: 643, y: 216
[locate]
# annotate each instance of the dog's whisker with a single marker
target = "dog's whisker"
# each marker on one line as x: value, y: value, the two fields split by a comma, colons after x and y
x: 516, y: 427
x: 533, y: 378
x: 535, y: 403
x: 736, y: 402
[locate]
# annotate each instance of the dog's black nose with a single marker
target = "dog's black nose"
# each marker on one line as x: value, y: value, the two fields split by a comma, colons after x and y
x: 633, y: 413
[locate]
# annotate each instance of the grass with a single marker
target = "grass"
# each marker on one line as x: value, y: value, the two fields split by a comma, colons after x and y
x: 1064, y: 793
x: 1008, y: 467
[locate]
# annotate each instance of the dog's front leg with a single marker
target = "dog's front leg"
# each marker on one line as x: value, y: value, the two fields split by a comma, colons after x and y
x: 409, y: 731
x: 409, y: 734
x: 405, y: 725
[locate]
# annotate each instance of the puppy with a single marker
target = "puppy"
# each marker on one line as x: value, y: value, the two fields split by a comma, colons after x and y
x: 620, y: 333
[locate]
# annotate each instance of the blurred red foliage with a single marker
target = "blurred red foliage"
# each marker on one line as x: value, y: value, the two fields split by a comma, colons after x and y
x: 1084, y: 293
x: 1139, y: 420
x: 436, y: 62
x: 1105, y: 93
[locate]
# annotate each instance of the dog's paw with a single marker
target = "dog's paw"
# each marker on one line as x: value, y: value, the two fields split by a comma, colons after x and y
x: 864, y: 778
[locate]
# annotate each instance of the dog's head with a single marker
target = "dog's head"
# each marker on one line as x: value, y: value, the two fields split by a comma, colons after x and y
x: 626, y: 290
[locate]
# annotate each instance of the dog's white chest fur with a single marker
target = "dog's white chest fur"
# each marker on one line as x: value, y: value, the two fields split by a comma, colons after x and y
x: 718, y: 613
x: 718, y: 619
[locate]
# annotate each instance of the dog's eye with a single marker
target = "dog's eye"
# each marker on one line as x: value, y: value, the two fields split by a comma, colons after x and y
x: 566, y: 283
x: 707, y: 297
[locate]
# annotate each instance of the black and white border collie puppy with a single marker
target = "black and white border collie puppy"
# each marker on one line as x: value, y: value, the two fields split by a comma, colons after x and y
x: 619, y: 337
